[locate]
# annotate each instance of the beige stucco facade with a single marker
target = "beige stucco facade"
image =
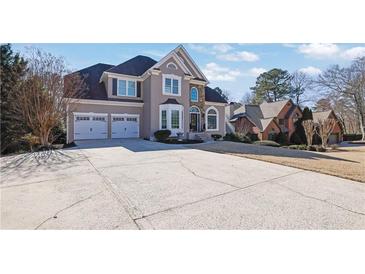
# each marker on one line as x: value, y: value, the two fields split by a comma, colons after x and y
x: 152, y: 97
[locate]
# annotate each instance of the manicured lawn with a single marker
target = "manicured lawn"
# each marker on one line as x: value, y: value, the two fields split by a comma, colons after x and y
x: 346, y: 162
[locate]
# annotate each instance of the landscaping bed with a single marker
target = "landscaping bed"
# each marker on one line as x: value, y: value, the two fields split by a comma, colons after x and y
x: 181, y: 142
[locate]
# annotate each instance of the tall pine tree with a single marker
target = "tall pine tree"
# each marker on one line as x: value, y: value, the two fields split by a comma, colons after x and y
x: 12, y: 68
x: 273, y: 85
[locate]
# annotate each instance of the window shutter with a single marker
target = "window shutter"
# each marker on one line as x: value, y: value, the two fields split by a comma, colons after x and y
x: 138, y: 89
x: 114, y: 88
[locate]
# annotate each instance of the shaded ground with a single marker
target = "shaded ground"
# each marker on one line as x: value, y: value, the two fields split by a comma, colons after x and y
x: 137, y: 184
x: 346, y: 162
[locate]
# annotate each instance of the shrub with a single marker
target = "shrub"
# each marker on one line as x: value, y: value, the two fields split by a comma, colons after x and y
x: 267, y: 143
x: 321, y: 149
x: 162, y: 135
x: 59, y: 135
x: 352, y: 137
x: 312, y: 148
x: 334, y: 146
x: 233, y: 137
x: 299, y: 147
x: 253, y: 137
x: 216, y: 136
x: 281, y: 138
x: 31, y: 140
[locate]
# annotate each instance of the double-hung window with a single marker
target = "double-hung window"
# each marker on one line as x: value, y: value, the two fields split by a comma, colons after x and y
x: 127, y: 88
x: 175, y: 120
x: 171, y: 85
x: 163, y: 119
x: 212, y: 119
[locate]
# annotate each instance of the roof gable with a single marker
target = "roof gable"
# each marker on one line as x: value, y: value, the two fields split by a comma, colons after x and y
x: 183, y: 53
x: 321, y: 115
x: 272, y: 109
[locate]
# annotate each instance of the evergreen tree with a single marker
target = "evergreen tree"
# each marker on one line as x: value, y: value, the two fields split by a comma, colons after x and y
x: 307, y: 114
x: 12, y: 68
x: 273, y: 85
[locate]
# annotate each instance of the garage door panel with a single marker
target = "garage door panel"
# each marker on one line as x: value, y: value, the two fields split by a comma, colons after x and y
x: 126, y: 126
x: 90, y: 126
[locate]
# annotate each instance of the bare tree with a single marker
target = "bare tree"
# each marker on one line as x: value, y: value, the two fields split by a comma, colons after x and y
x: 300, y: 82
x: 247, y: 98
x: 243, y: 126
x: 325, y: 128
x: 42, y: 97
x: 310, y: 130
x: 349, y: 84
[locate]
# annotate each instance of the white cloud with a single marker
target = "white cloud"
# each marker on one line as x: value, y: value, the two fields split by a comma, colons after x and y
x: 215, y: 72
x: 223, y: 48
x: 254, y: 72
x: 319, y: 51
x: 310, y: 70
x: 353, y: 53
x: 239, y: 56
x: 200, y: 48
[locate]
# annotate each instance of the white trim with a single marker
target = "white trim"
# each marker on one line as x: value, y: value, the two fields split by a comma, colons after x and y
x: 206, y: 119
x: 173, y: 77
x: 197, y: 82
x: 197, y: 94
x: 199, y: 118
x: 90, y: 114
x: 123, y: 76
x: 67, y: 133
x: 106, y: 103
x: 126, y: 87
x: 215, y: 104
x: 171, y: 63
x: 124, y: 114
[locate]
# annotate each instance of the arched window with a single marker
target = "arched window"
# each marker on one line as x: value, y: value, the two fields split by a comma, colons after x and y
x: 194, y: 110
x: 172, y: 66
x: 194, y: 95
x: 212, y: 119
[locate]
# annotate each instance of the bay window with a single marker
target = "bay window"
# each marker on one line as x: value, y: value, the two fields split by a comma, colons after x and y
x: 171, y: 118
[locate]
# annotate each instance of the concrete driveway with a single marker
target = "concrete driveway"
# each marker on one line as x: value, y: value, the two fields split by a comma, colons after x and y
x: 137, y: 184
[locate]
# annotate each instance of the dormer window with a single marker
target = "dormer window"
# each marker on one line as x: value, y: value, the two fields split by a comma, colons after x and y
x: 171, y: 85
x: 172, y: 66
x: 127, y: 88
x: 194, y: 94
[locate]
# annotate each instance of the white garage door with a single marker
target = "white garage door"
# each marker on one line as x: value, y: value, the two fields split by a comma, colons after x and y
x: 125, y: 126
x: 90, y: 126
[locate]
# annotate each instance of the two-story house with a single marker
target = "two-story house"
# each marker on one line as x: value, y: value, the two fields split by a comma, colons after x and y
x: 140, y: 96
x: 265, y: 120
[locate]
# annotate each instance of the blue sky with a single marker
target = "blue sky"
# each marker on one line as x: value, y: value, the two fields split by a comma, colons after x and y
x: 233, y: 67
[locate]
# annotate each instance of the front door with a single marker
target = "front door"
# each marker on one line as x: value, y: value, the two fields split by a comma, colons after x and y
x: 194, y: 122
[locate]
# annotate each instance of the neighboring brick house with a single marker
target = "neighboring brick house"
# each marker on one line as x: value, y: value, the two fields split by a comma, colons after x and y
x: 266, y: 120
x: 337, y: 133
x: 140, y: 96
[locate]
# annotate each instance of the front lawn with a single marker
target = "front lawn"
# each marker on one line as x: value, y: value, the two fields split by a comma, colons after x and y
x: 345, y: 162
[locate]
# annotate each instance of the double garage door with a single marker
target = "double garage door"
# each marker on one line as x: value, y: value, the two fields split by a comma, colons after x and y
x: 95, y: 126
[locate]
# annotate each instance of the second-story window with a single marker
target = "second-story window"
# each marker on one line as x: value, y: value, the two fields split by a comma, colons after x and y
x: 127, y: 88
x: 171, y: 85
x: 194, y: 94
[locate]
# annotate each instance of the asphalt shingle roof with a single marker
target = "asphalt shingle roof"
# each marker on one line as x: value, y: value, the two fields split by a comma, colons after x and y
x: 91, y: 76
x: 135, y: 66
x: 213, y: 96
